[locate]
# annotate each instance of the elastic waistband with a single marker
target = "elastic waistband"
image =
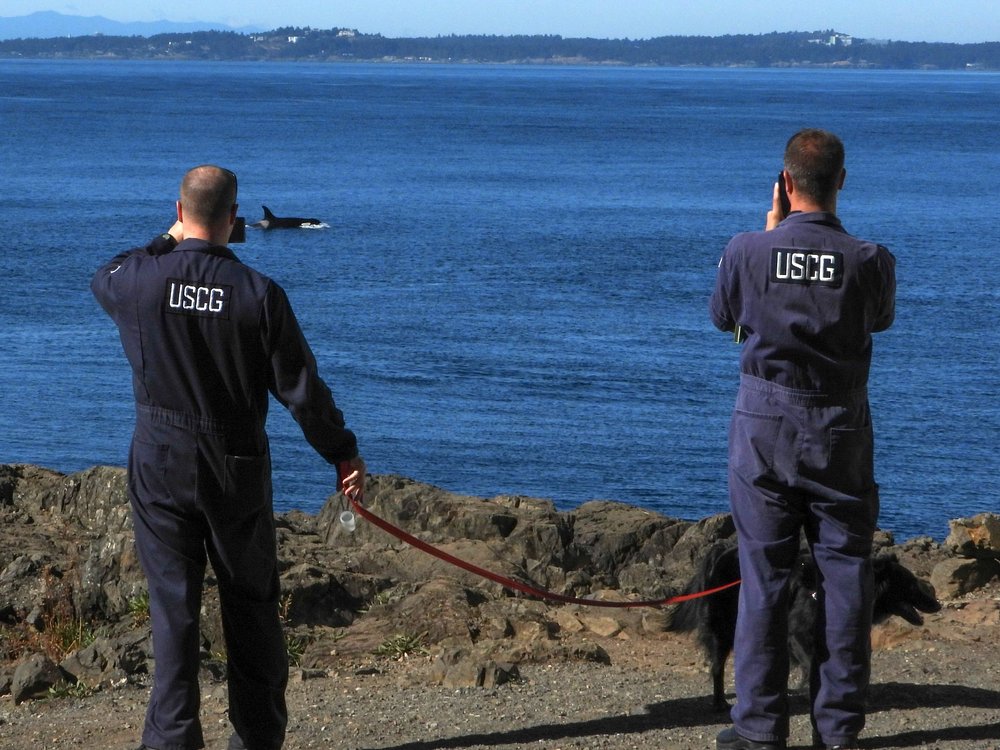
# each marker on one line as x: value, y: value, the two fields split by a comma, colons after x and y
x: 190, y: 422
x: 800, y: 397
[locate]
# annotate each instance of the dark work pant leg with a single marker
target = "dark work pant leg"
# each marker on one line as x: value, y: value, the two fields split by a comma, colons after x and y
x: 257, y: 669
x: 841, y: 664
x: 767, y: 518
x: 768, y: 548
x: 171, y: 551
x: 243, y: 552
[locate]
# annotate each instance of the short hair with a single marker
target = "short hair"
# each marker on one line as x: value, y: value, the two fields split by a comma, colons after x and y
x: 208, y: 193
x: 815, y: 160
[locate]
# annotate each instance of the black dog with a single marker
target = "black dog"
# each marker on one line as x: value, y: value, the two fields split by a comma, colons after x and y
x: 897, y: 592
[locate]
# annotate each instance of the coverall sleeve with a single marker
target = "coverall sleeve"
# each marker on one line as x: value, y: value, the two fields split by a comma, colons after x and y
x: 887, y: 302
x: 296, y: 384
x: 719, y: 305
x: 106, y: 284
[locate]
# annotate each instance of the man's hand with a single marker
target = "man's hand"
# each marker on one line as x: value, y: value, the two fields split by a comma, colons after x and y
x: 177, y: 231
x: 351, y: 478
x: 775, y: 215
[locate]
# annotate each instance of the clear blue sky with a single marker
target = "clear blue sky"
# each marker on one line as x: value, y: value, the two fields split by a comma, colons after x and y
x: 904, y: 20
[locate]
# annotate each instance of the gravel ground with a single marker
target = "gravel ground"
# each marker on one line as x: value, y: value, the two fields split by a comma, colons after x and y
x: 933, y: 687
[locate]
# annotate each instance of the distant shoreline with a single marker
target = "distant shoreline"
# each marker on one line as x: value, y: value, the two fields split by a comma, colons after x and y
x: 818, y: 49
x: 550, y: 63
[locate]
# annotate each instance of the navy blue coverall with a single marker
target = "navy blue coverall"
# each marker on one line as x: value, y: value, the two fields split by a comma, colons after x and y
x: 808, y: 297
x: 208, y: 338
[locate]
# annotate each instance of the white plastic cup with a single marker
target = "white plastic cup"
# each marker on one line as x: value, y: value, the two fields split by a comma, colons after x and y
x: 346, y: 519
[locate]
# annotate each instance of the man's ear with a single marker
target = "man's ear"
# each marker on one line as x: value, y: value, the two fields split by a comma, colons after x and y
x: 787, y: 178
x: 843, y: 178
x: 180, y: 212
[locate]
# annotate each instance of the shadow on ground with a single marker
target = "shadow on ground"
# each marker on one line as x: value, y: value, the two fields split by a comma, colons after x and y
x: 694, y: 712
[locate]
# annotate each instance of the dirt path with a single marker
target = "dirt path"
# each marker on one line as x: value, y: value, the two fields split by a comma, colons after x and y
x: 933, y: 687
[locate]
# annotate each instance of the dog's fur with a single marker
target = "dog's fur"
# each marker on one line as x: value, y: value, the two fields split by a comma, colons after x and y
x: 897, y: 592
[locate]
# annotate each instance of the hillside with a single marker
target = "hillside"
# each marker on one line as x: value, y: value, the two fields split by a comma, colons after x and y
x: 49, y: 24
x: 785, y: 49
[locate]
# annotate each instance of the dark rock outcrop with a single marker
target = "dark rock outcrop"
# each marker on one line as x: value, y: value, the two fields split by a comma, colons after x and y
x: 976, y: 543
x: 67, y: 560
x: 976, y: 537
x: 33, y: 678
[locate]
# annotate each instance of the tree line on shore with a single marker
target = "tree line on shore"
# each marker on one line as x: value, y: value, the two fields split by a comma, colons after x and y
x: 777, y: 49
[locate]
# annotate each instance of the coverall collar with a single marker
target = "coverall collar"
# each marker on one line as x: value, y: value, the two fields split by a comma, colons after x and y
x: 203, y: 246
x: 814, y: 217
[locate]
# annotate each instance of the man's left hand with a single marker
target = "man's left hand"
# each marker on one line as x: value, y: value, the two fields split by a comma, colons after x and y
x: 177, y: 231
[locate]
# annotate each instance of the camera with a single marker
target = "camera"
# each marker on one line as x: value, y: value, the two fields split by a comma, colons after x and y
x: 786, y: 206
x: 239, y: 233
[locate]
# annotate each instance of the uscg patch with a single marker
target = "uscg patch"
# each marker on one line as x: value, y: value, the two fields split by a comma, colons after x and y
x: 790, y: 265
x: 198, y: 299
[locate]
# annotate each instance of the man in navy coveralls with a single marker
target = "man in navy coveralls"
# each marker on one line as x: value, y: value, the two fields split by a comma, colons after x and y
x: 208, y: 338
x: 807, y: 296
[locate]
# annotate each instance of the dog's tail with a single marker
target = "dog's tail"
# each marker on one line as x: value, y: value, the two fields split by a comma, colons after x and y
x: 719, y: 566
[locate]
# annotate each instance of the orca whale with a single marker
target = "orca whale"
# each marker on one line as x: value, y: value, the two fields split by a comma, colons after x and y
x: 270, y: 221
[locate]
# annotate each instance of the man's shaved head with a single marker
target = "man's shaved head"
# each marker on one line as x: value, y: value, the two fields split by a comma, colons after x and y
x: 208, y: 194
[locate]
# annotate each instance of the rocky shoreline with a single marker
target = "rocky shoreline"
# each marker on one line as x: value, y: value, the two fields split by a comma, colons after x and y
x: 391, y: 647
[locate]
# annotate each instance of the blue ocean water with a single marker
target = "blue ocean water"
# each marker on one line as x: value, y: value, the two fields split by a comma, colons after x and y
x: 511, y: 294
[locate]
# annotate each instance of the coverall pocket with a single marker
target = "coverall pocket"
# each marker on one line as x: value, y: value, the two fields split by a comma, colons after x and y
x: 851, y: 458
x: 752, y: 441
x: 147, y: 471
x: 247, y: 482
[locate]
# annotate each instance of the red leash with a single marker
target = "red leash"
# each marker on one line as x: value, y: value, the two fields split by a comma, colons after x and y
x: 510, y: 583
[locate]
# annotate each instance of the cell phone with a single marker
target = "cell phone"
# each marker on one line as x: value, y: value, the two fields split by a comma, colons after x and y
x: 786, y: 206
x: 239, y: 233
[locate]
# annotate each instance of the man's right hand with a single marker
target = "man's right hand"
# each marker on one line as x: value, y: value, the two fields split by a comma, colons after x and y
x: 351, y: 478
x: 776, y: 214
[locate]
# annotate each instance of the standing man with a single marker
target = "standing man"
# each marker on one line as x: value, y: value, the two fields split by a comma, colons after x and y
x: 807, y: 296
x: 207, y: 338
